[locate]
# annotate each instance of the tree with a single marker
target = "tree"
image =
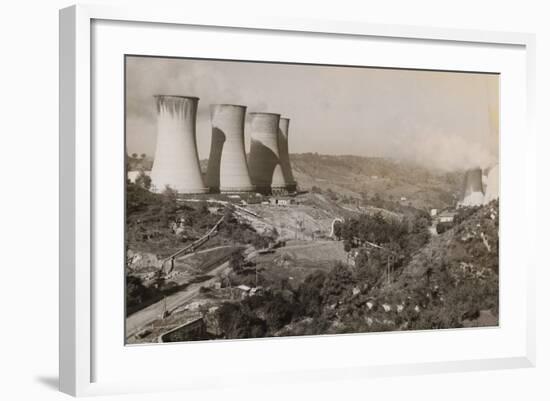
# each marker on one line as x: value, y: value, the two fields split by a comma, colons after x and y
x: 441, y: 227
x: 171, y: 195
x: 134, y: 155
x: 316, y: 190
x: 347, y: 245
x: 338, y: 229
x: 228, y: 216
x: 309, y: 293
x: 143, y: 155
x: 279, y: 312
x: 339, y: 280
x: 143, y: 180
x: 237, y: 321
x: 237, y: 261
x: 331, y: 195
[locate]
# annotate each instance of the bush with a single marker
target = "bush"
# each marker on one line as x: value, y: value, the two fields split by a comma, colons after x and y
x: 237, y: 321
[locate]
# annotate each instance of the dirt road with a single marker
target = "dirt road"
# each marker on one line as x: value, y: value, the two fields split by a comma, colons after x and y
x: 142, y: 318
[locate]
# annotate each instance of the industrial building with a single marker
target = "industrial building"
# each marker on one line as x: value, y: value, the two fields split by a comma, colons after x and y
x: 284, y: 157
x: 227, y: 165
x: 176, y: 161
x: 264, y: 164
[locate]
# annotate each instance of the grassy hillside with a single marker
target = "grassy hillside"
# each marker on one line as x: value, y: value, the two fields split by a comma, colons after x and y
x: 160, y: 224
x: 459, y: 269
x: 371, y: 177
x: 449, y: 281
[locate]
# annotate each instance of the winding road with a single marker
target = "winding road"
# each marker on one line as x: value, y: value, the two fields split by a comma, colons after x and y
x: 137, y: 321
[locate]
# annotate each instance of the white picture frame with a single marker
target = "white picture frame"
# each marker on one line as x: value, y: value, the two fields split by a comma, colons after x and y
x: 79, y: 344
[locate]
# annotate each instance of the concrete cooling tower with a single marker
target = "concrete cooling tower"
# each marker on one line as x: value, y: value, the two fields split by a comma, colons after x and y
x: 284, y: 157
x: 472, y: 194
x: 492, y: 191
x: 265, y: 170
x: 176, y: 161
x: 227, y: 165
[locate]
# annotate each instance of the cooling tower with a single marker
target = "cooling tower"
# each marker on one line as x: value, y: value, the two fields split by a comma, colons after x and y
x: 493, y: 186
x: 265, y: 170
x: 284, y: 157
x: 227, y: 166
x: 472, y: 194
x: 176, y: 161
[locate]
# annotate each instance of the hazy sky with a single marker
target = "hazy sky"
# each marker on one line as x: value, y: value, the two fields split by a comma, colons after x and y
x: 441, y: 119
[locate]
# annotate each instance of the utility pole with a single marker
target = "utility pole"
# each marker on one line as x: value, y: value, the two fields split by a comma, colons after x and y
x: 164, y: 309
x: 388, y: 279
x: 388, y: 271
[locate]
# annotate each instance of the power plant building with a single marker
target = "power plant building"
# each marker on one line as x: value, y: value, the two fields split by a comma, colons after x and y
x: 227, y: 165
x: 284, y: 157
x: 265, y: 169
x: 176, y: 161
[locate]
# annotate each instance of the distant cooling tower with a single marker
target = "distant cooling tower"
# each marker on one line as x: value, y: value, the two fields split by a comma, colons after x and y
x: 176, y: 161
x: 227, y: 166
x: 284, y: 157
x: 493, y: 186
x: 265, y: 170
x: 472, y: 194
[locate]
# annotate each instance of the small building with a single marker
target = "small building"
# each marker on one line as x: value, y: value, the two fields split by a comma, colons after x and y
x: 243, y: 288
x: 256, y: 290
x: 132, y: 175
x: 446, y: 217
x: 281, y: 201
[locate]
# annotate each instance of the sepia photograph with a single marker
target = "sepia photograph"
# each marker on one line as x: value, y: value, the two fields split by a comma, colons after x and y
x: 270, y: 199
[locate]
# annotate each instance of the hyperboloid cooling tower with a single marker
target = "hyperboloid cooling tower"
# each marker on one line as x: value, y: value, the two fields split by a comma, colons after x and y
x: 472, y: 194
x: 227, y: 165
x: 176, y: 161
x: 265, y: 170
x: 284, y: 157
x: 493, y: 188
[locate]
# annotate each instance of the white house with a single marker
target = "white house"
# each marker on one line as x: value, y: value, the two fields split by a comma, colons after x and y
x: 446, y: 217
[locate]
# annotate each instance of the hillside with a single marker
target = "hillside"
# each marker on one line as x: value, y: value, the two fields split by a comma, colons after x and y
x: 160, y: 224
x: 372, y: 177
x: 450, y: 281
x: 459, y: 269
x: 472, y: 244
